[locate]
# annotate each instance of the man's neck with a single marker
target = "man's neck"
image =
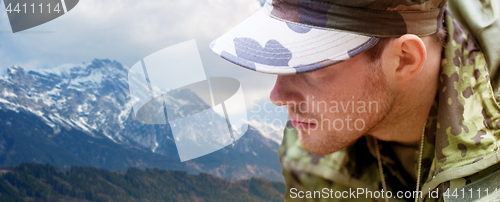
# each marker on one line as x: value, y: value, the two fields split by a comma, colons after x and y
x: 405, y: 123
x: 404, y: 127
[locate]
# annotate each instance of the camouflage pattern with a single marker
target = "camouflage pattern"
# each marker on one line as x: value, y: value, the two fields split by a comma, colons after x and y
x: 296, y: 36
x: 482, y: 19
x: 280, y: 47
x: 381, y: 18
x: 462, y: 135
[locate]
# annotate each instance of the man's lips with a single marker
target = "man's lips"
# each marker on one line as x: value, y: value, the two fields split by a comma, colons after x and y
x: 300, y: 124
x: 303, y: 125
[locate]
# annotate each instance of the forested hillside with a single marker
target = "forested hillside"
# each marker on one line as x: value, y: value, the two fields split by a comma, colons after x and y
x: 36, y: 182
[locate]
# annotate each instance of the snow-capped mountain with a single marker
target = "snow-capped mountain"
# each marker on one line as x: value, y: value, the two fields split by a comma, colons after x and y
x: 82, y: 115
x: 90, y: 97
x: 270, y: 131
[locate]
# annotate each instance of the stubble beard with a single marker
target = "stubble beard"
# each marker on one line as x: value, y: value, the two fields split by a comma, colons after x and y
x: 375, y: 89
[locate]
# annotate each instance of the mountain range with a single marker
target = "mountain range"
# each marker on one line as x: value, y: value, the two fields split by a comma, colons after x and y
x: 81, y: 115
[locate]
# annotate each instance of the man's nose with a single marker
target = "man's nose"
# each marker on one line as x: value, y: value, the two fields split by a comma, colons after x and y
x: 285, y: 91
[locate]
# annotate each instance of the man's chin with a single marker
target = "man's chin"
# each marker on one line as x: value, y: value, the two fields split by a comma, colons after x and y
x: 318, y: 143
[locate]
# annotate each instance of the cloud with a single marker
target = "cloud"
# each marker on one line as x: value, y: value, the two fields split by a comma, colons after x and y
x: 125, y: 30
x: 129, y: 30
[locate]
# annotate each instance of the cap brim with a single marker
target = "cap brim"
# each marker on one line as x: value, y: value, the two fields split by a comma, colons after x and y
x: 269, y: 45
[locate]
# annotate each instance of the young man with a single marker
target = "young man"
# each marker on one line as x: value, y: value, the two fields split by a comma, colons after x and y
x: 383, y: 104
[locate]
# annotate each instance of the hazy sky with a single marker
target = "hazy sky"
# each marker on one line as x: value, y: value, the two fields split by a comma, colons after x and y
x: 128, y: 30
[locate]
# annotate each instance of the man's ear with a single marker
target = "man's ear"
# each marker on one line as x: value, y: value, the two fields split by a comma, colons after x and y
x: 410, y: 54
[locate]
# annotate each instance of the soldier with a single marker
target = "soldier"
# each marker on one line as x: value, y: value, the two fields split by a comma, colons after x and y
x: 387, y: 100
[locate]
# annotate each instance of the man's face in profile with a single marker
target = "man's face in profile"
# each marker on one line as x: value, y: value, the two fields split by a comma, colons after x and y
x: 334, y: 106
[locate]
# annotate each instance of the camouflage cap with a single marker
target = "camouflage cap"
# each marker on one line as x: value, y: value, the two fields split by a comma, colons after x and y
x: 295, y: 36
